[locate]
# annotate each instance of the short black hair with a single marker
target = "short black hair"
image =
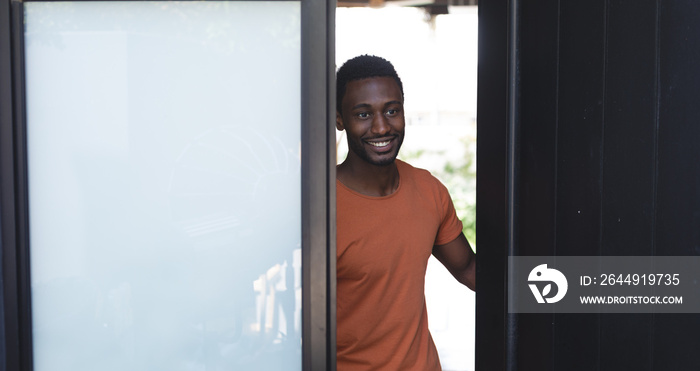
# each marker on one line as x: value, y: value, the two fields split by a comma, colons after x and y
x: 363, y: 67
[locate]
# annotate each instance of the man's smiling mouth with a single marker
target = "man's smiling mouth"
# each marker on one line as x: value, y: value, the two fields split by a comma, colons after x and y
x: 380, y: 144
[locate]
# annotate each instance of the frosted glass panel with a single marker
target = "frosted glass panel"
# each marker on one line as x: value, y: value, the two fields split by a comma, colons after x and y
x: 164, y: 185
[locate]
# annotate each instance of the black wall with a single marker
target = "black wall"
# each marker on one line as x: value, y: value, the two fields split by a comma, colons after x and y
x: 599, y: 104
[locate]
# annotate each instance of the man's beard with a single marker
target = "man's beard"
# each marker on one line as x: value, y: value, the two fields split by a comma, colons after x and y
x: 362, y: 153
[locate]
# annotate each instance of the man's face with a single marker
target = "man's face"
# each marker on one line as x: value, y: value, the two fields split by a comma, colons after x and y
x: 373, y: 119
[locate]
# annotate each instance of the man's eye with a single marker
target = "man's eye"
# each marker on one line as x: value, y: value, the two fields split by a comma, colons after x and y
x: 392, y: 112
x: 363, y: 115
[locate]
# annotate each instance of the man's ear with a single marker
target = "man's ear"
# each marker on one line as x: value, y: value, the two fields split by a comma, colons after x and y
x: 339, y: 121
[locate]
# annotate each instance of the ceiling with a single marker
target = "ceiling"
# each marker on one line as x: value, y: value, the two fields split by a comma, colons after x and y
x: 432, y: 7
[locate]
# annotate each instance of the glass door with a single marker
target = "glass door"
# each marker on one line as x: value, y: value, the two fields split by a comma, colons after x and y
x: 169, y: 219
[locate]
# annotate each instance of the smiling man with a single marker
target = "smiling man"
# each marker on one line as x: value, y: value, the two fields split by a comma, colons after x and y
x: 390, y: 218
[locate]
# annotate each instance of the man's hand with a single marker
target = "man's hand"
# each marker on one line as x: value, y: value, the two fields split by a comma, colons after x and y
x: 457, y: 256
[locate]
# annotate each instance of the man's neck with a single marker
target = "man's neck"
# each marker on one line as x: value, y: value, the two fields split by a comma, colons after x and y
x: 367, y: 179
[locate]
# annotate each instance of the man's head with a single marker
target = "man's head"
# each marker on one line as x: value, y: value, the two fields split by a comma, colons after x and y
x: 362, y: 67
x: 370, y: 110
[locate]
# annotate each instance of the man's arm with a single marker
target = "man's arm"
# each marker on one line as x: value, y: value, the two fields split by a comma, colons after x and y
x: 457, y: 256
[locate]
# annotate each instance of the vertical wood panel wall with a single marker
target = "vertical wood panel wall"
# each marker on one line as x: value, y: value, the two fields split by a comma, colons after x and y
x: 608, y: 163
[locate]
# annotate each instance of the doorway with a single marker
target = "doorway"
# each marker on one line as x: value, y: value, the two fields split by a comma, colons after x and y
x: 436, y: 57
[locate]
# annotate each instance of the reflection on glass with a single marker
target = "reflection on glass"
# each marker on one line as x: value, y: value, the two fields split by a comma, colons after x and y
x: 164, y: 185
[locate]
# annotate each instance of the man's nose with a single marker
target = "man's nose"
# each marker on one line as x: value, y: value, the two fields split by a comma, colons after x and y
x: 380, y: 125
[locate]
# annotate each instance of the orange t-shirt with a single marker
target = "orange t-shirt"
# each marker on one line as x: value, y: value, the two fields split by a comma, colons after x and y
x: 383, y: 246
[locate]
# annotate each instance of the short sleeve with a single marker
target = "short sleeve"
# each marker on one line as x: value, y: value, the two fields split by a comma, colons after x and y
x: 450, y: 225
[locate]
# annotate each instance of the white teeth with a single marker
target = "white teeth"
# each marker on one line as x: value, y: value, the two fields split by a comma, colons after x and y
x: 379, y: 144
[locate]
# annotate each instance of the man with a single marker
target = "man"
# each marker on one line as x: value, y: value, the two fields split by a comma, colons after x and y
x: 391, y: 217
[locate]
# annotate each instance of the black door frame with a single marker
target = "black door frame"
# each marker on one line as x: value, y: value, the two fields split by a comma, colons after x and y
x: 498, y: 168
x: 497, y: 113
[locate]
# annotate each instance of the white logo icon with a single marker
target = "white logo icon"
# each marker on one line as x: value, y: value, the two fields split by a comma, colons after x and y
x: 543, y: 274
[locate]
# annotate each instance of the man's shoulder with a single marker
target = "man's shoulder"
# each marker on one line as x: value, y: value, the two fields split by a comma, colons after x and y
x: 420, y: 179
x: 417, y: 173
